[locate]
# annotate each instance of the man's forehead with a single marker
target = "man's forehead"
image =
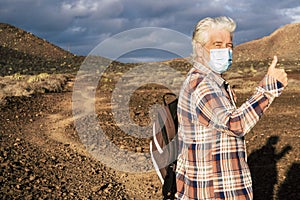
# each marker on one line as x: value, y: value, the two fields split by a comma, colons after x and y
x: 220, y: 36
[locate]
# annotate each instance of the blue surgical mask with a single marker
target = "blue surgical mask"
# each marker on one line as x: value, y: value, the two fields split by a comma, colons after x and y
x: 220, y: 59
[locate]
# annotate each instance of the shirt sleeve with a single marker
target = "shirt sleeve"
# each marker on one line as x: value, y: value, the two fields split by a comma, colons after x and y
x: 213, y: 108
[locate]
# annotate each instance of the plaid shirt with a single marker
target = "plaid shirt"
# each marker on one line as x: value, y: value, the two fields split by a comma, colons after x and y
x: 212, y: 160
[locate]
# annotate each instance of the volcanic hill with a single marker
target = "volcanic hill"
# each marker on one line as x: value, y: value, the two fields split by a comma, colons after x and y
x: 284, y: 42
x: 22, y: 52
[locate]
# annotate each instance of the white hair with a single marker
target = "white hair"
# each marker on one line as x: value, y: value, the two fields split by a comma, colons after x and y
x: 202, y: 28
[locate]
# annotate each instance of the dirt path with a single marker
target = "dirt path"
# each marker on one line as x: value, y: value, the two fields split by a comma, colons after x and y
x: 46, y: 132
x: 60, y: 128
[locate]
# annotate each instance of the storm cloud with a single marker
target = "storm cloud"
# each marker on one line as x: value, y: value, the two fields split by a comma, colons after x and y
x: 80, y: 25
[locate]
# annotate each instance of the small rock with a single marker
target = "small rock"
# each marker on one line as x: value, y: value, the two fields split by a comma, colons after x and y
x: 96, y: 188
x: 139, y: 149
x: 31, y: 177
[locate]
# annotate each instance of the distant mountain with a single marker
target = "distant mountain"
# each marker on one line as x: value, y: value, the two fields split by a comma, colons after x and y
x: 22, y: 52
x: 284, y: 42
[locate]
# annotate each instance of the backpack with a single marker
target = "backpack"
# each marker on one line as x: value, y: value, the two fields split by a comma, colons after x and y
x: 164, y: 146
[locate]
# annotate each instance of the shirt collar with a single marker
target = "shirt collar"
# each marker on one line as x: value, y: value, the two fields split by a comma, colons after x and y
x: 211, y: 74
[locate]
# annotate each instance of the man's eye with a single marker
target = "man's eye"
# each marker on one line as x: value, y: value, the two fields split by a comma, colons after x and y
x: 230, y: 46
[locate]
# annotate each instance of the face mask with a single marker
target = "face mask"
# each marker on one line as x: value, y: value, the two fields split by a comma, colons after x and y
x: 220, y: 59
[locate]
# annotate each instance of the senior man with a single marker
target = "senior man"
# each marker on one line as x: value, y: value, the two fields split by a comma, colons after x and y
x: 212, y: 161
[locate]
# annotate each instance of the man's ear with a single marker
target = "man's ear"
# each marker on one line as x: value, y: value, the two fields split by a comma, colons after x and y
x: 202, y: 51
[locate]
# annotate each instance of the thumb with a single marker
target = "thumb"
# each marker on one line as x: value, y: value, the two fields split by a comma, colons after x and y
x: 274, y: 62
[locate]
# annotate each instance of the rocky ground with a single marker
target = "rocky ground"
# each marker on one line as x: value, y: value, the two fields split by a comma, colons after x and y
x: 43, y: 157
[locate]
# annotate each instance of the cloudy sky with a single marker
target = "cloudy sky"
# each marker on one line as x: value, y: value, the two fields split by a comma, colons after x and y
x: 80, y: 25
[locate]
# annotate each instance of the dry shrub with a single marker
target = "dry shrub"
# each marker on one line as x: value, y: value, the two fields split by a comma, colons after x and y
x: 26, y: 85
x: 46, y: 83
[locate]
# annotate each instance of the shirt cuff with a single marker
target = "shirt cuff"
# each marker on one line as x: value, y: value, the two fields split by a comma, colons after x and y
x: 270, y: 87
